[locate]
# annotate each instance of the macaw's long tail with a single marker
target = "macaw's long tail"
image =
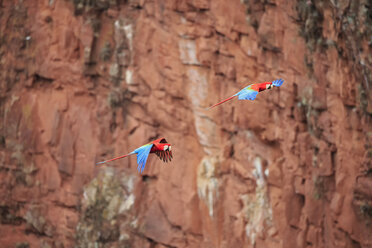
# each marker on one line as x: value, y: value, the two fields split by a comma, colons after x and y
x: 115, y: 158
x: 231, y: 97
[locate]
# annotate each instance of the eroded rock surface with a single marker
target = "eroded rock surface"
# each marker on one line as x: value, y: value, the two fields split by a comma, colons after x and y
x: 82, y: 81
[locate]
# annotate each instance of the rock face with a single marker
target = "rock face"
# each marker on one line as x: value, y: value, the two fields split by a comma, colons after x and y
x: 82, y: 81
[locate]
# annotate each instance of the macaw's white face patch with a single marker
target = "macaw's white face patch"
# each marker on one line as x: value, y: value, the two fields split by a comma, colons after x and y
x: 268, y: 86
x: 165, y: 148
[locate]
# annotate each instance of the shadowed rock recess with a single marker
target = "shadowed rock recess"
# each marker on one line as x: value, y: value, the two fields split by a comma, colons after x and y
x: 86, y: 80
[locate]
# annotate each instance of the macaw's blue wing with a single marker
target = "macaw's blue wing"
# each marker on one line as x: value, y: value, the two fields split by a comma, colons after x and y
x: 247, y: 94
x: 278, y: 82
x: 142, y: 155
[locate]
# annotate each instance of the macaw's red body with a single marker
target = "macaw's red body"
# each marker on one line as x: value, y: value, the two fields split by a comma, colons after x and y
x: 250, y: 92
x: 261, y: 86
x: 160, y: 147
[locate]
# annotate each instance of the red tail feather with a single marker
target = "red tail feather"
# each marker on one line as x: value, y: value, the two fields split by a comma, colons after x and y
x: 231, y: 97
x: 114, y: 159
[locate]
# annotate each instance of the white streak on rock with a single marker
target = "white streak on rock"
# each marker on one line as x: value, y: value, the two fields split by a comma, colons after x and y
x: 127, y: 204
x: 257, y: 208
x: 188, y: 52
x: 129, y: 35
x: 207, y: 183
x: 128, y: 76
x: 198, y: 93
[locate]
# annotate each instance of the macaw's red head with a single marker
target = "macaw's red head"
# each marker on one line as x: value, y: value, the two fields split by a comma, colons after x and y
x: 162, y: 145
x: 269, y: 85
x: 262, y: 86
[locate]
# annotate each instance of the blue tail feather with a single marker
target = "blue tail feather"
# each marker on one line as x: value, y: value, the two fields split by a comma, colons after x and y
x: 278, y: 82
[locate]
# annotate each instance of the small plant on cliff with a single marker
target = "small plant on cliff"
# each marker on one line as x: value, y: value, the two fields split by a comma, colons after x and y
x: 107, y: 198
x: 353, y: 38
x: 311, y: 114
x: 311, y: 22
x: 254, y: 11
x: 366, y: 209
x: 356, y: 30
x: 370, y: 153
x: 319, y: 188
x: 86, y: 5
x: 22, y: 245
x: 106, y: 51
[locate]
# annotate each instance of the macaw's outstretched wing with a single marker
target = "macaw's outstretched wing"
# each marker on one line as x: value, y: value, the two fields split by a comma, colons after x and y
x: 142, y: 155
x: 164, y: 155
x: 278, y: 82
x: 247, y: 94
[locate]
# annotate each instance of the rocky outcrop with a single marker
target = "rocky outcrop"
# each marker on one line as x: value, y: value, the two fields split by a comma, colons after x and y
x: 82, y: 81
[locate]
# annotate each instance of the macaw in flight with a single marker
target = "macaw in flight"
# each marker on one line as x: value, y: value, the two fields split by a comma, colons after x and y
x: 250, y: 92
x: 160, y: 147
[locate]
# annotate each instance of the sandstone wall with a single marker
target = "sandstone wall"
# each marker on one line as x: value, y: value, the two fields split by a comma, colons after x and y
x: 82, y: 81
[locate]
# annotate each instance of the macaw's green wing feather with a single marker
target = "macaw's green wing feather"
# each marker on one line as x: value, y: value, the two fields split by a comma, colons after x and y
x: 247, y: 94
x: 142, y: 155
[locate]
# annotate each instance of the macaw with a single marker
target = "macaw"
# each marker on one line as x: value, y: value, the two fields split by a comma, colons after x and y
x: 250, y: 92
x: 160, y: 147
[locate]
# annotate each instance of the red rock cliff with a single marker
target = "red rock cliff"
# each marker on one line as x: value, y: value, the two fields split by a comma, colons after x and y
x: 82, y: 81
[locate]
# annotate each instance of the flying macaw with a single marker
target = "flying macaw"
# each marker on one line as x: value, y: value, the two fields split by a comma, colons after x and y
x: 250, y: 92
x: 160, y: 147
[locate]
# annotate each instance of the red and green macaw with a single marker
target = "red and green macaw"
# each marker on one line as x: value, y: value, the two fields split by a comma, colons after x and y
x: 160, y: 147
x: 250, y: 92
